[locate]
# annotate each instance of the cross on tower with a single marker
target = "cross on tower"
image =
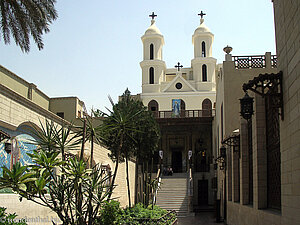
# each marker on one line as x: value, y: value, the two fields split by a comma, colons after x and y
x: 153, y: 15
x: 178, y: 66
x: 201, y: 14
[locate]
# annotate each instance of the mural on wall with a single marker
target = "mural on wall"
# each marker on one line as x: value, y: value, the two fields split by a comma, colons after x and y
x: 21, y: 144
x: 176, y: 107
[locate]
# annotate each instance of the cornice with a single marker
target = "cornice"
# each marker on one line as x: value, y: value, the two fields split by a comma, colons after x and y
x: 31, y: 105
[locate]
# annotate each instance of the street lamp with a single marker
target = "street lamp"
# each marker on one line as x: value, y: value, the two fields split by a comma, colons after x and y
x: 246, y: 106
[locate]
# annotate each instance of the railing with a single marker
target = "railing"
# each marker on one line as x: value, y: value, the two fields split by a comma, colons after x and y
x: 190, y: 183
x: 256, y: 61
x: 248, y: 62
x: 158, y: 180
x: 274, y: 61
x: 190, y: 190
x: 185, y: 114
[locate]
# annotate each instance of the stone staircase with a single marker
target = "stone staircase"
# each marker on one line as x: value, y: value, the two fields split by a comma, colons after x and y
x: 172, y: 194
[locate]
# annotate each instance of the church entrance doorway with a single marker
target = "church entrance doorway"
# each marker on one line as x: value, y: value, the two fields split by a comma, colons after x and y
x: 202, y: 192
x: 177, y: 160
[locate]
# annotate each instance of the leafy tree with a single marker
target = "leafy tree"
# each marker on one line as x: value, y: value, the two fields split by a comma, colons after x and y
x: 25, y: 19
x: 10, y: 219
x: 129, y: 131
x: 117, y: 129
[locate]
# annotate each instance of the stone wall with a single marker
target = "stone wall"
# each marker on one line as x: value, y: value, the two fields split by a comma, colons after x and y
x: 16, y: 110
x: 287, y: 27
x: 287, y: 17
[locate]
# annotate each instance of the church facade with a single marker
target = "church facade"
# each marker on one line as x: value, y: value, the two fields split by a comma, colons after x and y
x: 182, y: 100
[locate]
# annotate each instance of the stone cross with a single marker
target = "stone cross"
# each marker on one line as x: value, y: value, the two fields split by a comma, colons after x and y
x: 178, y: 66
x: 153, y: 15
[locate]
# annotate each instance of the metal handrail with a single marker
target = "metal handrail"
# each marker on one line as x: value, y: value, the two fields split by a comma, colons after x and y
x: 185, y: 114
x: 190, y: 183
x: 158, y: 178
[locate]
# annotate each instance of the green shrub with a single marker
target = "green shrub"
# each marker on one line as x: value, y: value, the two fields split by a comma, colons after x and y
x: 110, y: 213
x: 9, y: 219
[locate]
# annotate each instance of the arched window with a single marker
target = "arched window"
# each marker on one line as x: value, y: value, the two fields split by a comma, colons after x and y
x: 182, y: 108
x: 153, y: 107
x: 151, y: 75
x: 204, y: 73
x: 203, y: 49
x: 182, y: 105
x: 151, y: 51
x: 206, y: 107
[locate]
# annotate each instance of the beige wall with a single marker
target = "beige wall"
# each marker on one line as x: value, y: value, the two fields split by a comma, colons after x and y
x: 22, y: 87
x: 287, y: 17
x: 16, y: 110
x: 66, y: 105
x: 229, y: 91
x: 192, y: 101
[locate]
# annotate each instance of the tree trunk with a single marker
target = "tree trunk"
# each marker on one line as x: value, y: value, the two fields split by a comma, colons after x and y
x: 113, y: 179
x: 127, y: 178
x: 92, y: 150
x: 136, y: 180
x: 83, y: 139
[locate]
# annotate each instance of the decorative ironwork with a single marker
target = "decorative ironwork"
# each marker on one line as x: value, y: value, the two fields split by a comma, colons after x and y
x: 249, y: 62
x: 3, y: 136
x: 268, y: 85
x: 153, y: 15
x: 274, y: 61
x: 246, y: 106
x: 232, y: 141
x: 273, y: 153
x: 222, y: 158
x: 201, y: 14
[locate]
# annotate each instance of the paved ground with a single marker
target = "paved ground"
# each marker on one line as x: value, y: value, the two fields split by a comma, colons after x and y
x: 203, y: 218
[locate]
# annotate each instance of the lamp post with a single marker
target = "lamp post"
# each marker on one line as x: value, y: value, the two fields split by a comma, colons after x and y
x: 246, y: 106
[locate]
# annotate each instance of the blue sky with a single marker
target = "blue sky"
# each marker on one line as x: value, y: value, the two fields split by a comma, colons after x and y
x: 94, y: 48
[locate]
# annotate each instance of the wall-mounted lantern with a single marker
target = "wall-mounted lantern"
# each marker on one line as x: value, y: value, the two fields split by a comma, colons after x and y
x: 222, y: 158
x: 246, y: 106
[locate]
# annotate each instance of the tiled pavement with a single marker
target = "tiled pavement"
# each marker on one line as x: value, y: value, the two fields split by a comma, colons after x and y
x: 203, y: 218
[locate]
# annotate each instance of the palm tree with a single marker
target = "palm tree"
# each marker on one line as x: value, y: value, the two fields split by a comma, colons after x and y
x: 116, y: 131
x: 22, y: 19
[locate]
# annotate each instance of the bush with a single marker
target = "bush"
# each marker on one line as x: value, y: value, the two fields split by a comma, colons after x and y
x: 110, y: 213
x: 9, y: 219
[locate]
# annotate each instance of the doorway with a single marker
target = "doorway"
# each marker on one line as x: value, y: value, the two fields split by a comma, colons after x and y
x: 177, y: 161
x: 202, y: 192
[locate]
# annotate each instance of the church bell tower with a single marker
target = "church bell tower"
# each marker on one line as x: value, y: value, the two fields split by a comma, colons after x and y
x: 153, y: 66
x: 203, y: 64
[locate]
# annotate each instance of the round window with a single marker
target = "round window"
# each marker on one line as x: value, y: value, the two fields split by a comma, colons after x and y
x: 178, y: 85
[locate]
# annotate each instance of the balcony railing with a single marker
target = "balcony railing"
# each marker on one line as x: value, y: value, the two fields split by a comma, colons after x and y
x: 184, y: 114
x: 255, y: 61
